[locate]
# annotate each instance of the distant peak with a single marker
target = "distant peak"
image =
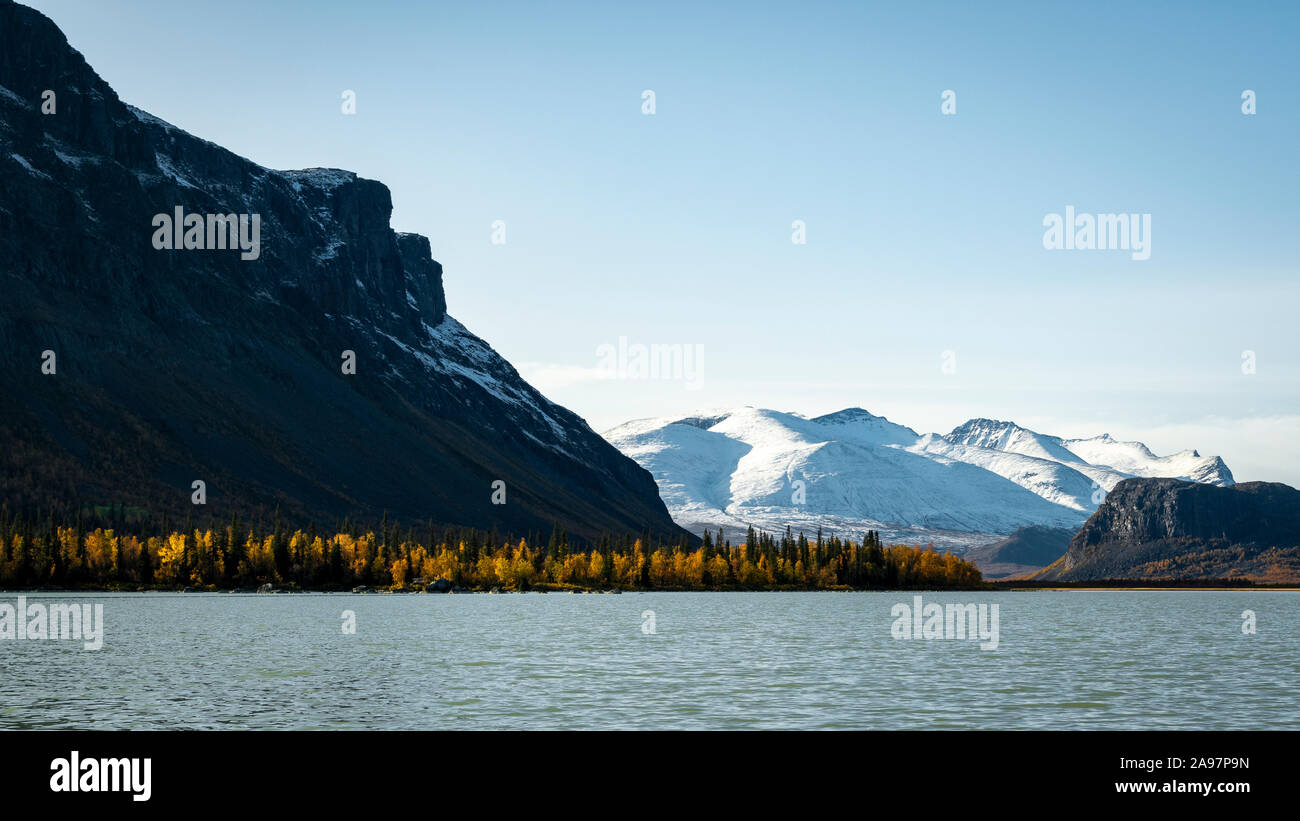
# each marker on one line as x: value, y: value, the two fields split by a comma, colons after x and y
x: 982, y: 424
x: 846, y: 415
x: 984, y: 421
x: 703, y: 419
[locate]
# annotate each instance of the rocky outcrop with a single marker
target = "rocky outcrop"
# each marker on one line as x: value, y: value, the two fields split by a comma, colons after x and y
x: 173, y: 366
x: 1167, y: 528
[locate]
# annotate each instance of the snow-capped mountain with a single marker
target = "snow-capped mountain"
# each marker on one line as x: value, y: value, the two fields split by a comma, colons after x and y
x: 851, y: 470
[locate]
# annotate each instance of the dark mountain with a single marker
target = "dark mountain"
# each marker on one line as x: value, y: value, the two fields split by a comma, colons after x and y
x: 1169, y: 529
x: 180, y: 365
x: 1028, y: 549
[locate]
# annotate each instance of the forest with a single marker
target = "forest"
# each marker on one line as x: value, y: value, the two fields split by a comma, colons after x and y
x: 36, y: 553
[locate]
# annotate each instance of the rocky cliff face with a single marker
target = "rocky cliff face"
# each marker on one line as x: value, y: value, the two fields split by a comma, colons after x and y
x: 198, y: 364
x: 1167, y: 528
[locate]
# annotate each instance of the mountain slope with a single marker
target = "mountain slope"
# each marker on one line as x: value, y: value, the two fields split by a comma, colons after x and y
x: 1171, y: 529
x: 852, y: 471
x: 182, y: 365
x: 1029, y: 549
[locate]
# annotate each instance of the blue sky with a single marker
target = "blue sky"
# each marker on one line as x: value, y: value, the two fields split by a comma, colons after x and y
x: 924, y: 231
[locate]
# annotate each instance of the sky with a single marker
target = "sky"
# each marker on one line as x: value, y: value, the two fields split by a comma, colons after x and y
x: 922, y: 290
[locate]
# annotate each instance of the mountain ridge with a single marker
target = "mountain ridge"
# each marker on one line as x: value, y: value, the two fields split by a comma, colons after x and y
x: 861, y: 471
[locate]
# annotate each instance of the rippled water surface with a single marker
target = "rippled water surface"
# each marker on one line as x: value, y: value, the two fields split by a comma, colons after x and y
x: 1122, y: 660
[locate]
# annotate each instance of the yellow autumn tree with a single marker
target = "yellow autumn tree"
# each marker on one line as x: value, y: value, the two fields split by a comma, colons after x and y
x: 171, y: 558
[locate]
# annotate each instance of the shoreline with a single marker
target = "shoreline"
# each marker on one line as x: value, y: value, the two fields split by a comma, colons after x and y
x: 992, y: 588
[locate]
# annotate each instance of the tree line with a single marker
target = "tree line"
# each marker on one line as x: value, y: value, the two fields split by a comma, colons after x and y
x: 36, y: 553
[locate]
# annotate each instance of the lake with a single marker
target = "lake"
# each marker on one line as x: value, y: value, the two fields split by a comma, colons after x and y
x: 1065, y: 660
